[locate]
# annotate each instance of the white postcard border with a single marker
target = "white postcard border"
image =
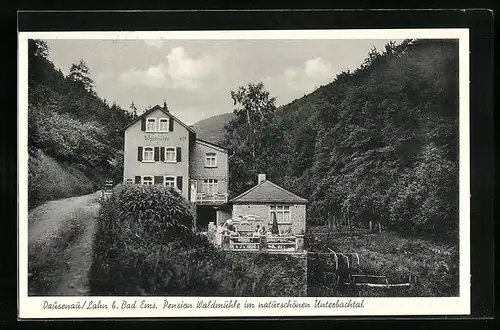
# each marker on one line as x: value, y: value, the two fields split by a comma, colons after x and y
x: 32, y: 307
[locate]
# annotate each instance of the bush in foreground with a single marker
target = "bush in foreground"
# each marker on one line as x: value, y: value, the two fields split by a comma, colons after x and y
x: 144, y: 245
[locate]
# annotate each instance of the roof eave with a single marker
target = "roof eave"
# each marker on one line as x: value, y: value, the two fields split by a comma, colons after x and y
x: 156, y: 107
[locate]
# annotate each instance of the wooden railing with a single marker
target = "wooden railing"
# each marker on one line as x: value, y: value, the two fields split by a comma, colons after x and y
x: 263, y: 243
x: 206, y: 198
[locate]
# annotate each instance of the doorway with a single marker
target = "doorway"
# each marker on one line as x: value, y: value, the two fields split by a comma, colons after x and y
x: 204, y: 215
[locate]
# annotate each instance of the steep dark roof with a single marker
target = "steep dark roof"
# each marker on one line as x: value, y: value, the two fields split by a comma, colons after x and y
x: 268, y: 192
x: 157, y: 107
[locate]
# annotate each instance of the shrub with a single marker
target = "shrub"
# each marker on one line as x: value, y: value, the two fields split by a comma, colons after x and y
x: 144, y: 245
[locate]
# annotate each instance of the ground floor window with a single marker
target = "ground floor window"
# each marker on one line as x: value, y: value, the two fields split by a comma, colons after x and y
x: 129, y: 181
x: 169, y: 181
x: 210, y: 186
x: 148, y: 179
x: 281, y: 212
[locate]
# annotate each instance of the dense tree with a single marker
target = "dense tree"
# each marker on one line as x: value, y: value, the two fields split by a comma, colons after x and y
x: 79, y: 75
x: 251, y: 135
x: 379, y: 143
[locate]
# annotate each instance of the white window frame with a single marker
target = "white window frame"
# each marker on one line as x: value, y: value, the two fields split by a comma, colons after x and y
x: 207, y: 183
x: 213, y: 156
x: 153, y: 120
x: 173, y: 178
x: 160, y: 120
x: 144, y: 160
x: 283, y: 209
x: 175, y: 155
x: 148, y: 176
x: 129, y: 181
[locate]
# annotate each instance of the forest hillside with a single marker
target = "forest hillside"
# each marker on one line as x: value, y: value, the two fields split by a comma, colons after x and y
x: 212, y: 128
x: 73, y: 141
x: 377, y: 144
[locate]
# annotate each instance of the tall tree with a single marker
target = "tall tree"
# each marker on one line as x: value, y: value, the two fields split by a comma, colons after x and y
x: 79, y: 74
x: 133, y: 110
x: 251, y: 134
x: 255, y: 104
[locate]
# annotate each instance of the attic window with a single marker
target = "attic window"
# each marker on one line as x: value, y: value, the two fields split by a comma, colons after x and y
x: 163, y: 125
x: 151, y: 125
x: 210, y: 159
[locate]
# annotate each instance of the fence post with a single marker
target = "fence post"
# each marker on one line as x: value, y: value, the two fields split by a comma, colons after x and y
x: 263, y: 243
x: 225, y: 241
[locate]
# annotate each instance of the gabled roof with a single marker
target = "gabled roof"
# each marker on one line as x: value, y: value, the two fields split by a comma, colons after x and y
x: 211, y: 145
x: 268, y: 192
x: 157, y: 107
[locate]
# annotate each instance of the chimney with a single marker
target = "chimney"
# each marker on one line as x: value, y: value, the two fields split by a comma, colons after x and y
x: 165, y: 107
x: 262, y: 177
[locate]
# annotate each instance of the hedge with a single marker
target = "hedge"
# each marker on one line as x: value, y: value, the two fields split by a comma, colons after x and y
x: 145, y: 245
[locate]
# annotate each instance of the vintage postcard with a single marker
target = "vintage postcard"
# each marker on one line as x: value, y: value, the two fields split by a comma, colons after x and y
x: 244, y: 173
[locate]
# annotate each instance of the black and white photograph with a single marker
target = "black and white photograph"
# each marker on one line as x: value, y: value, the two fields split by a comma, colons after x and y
x: 237, y: 168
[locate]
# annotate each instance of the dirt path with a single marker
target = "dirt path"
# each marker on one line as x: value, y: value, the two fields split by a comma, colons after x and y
x: 44, y: 223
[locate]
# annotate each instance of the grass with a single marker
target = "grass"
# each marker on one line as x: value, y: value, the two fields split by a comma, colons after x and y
x: 49, y: 259
x: 387, y: 253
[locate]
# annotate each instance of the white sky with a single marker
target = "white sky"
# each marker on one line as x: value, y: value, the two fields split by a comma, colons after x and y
x: 195, y: 77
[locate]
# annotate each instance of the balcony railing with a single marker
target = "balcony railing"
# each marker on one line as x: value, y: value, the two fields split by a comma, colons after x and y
x: 208, y: 198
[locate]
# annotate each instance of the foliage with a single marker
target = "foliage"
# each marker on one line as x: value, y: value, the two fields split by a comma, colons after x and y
x: 49, y: 179
x: 69, y: 122
x: 79, y: 76
x: 436, y: 265
x: 144, y: 246
x: 377, y: 144
x: 250, y: 134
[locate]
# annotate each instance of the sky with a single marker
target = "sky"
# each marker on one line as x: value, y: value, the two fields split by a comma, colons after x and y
x: 195, y: 77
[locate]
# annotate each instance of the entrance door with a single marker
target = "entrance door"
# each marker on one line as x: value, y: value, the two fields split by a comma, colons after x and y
x: 193, y: 184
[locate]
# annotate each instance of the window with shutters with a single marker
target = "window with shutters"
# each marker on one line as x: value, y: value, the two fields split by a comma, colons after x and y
x: 151, y: 125
x: 170, y: 155
x: 282, y: 213
x: 148, y: 179
x: 210, y: 186
x: 169, y: 181
x: 210, y: 159
x: 163, y: 125
x: 148, y: 154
